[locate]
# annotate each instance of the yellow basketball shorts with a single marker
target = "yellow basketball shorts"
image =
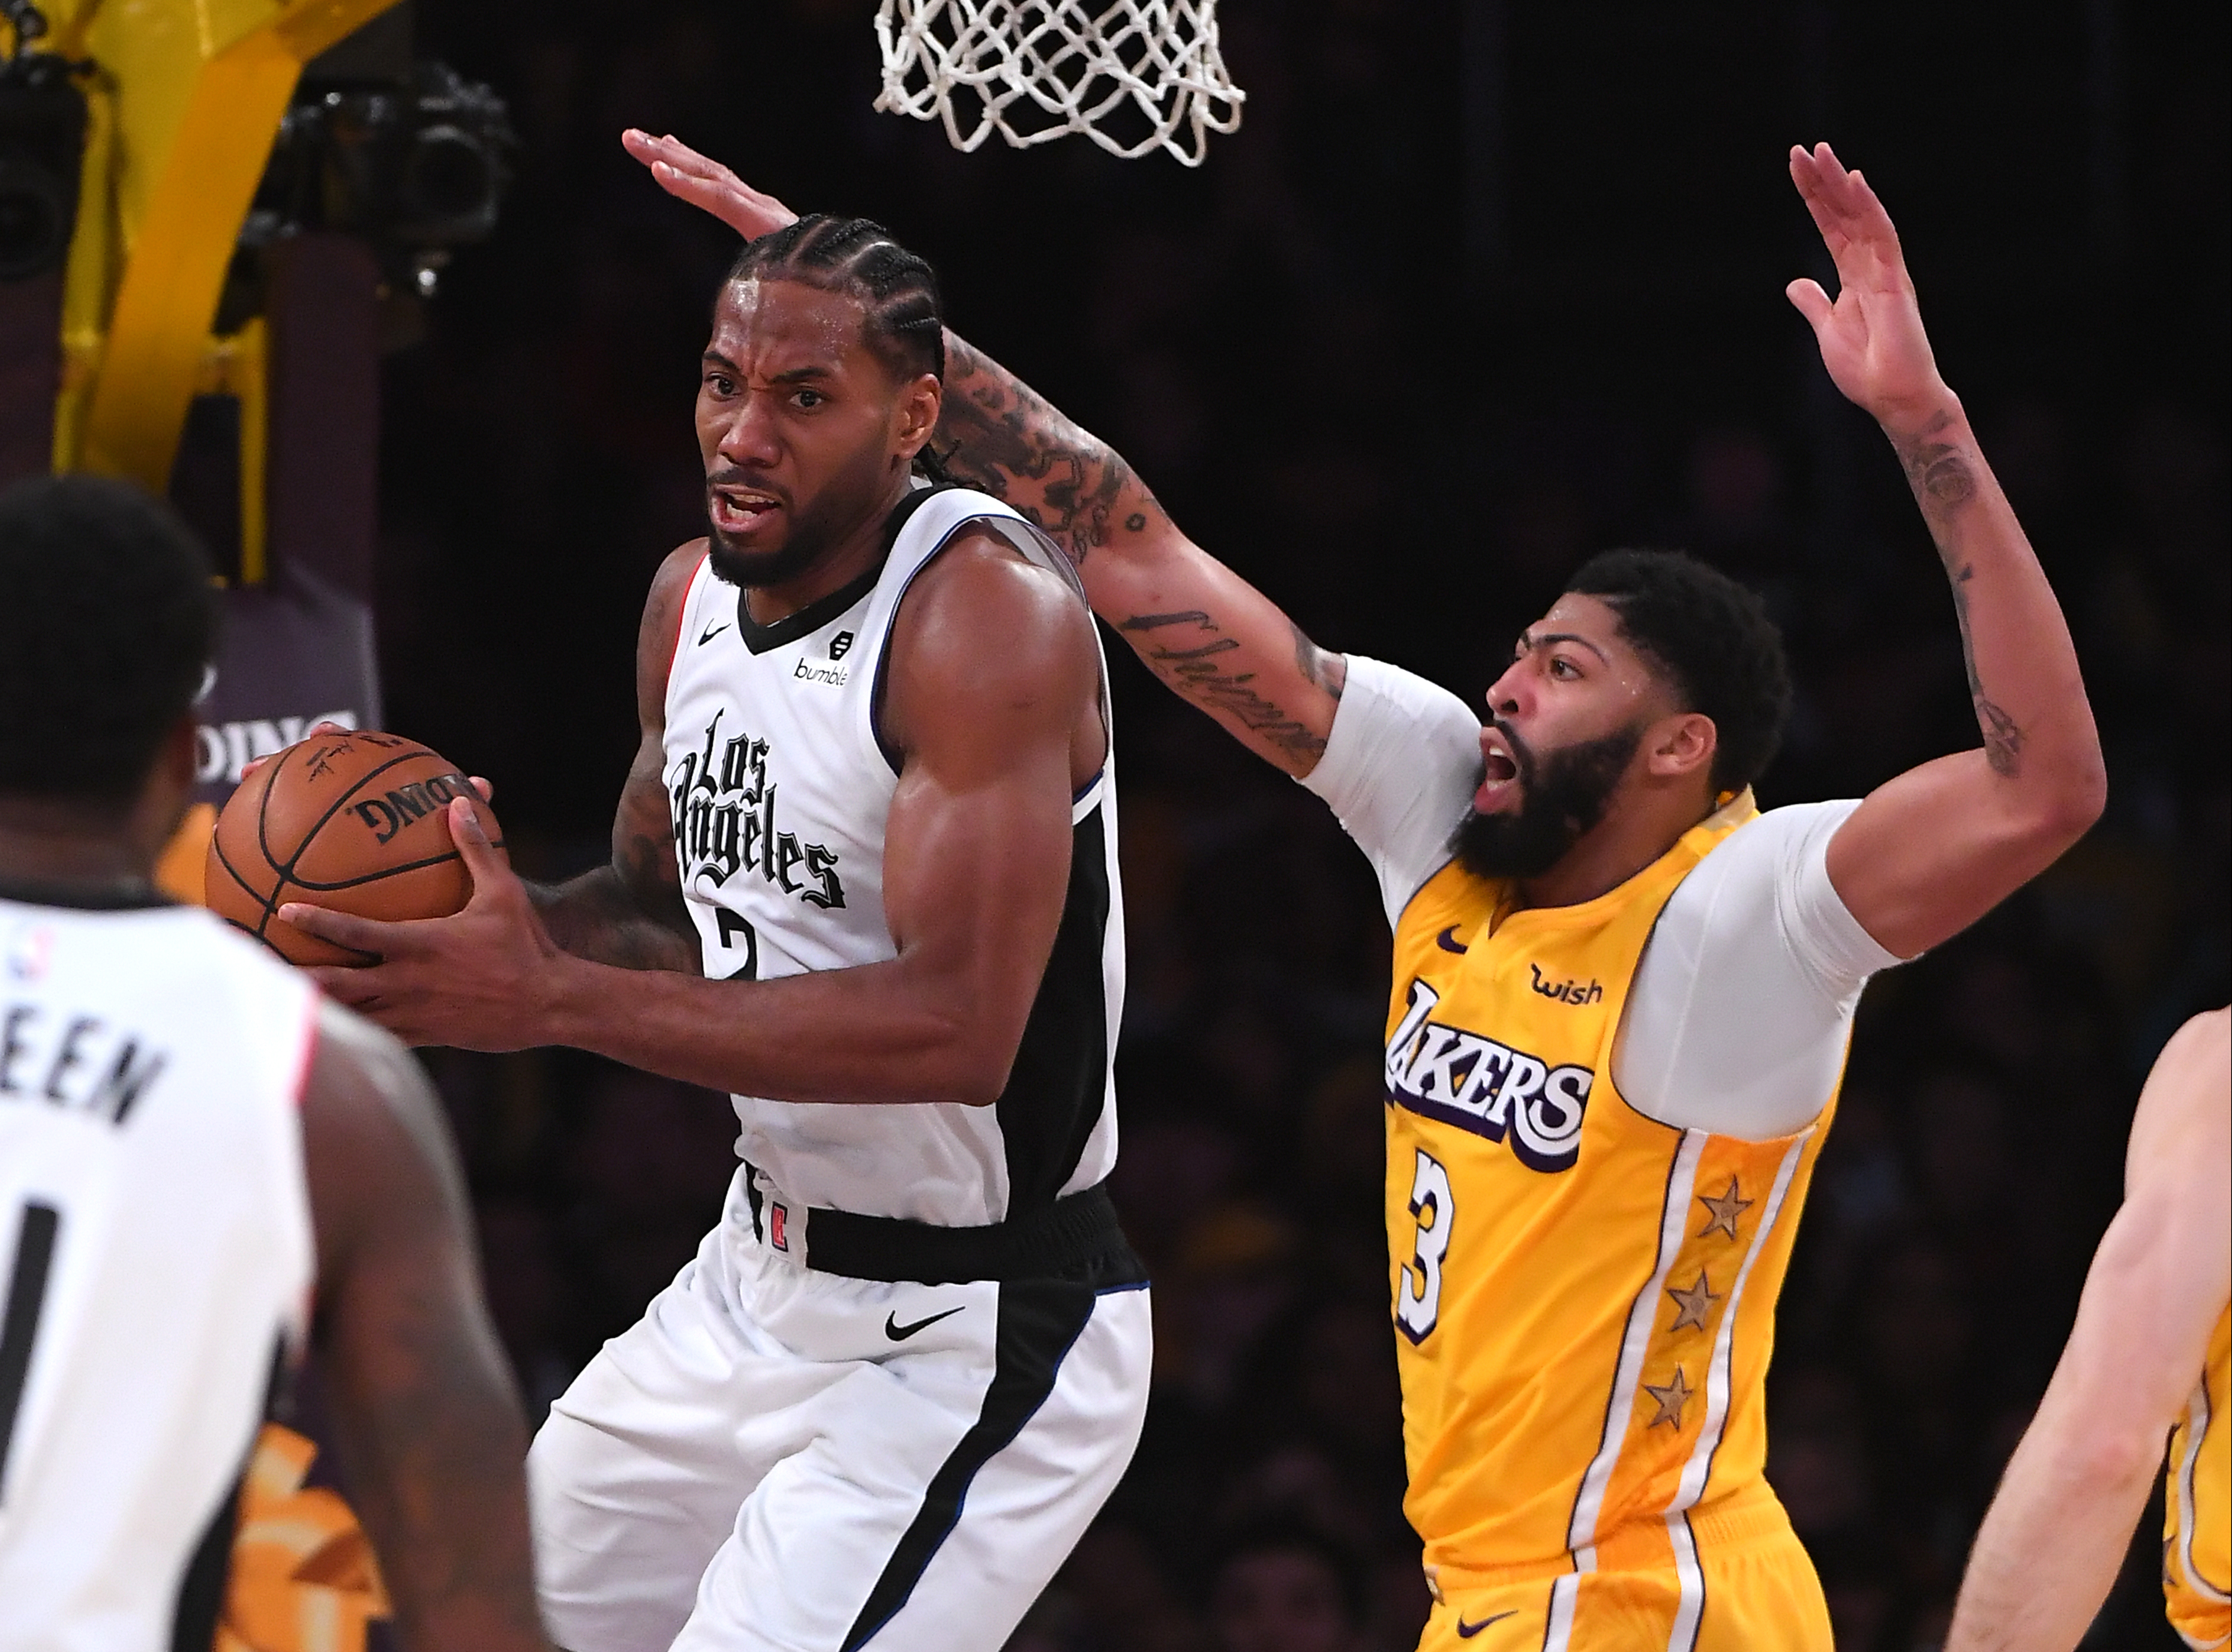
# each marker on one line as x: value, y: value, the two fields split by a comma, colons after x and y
x: 1750, y: 1587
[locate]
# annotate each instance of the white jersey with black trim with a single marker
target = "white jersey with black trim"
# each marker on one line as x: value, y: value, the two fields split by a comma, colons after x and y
x: 156, y: 1255
x: 780, y: 787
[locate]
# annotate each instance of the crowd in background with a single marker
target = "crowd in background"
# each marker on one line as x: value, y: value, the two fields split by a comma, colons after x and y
x: 1405, y: 377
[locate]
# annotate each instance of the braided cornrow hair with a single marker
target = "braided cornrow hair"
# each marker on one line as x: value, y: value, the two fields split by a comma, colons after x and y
x: 906, y: 324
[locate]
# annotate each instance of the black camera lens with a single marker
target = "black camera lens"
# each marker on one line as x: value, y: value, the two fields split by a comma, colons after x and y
x: 35, y: 218
x: 449, y: 178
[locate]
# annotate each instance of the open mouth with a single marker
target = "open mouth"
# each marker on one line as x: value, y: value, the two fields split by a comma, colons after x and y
x: 1499, y: 771
x: 739, y: 510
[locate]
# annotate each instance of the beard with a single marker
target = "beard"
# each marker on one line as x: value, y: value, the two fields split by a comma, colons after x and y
x: 778, y: 567
x: 1565, y: 793
x: 827, y: 518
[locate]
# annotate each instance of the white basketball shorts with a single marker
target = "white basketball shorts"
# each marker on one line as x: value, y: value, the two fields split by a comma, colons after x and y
x: 778, y: 1460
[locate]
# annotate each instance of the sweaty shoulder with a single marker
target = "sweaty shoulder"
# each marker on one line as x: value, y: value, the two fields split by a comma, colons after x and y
x: 1401, y: 763
x: 984, y: 632
x: 360, y: 1068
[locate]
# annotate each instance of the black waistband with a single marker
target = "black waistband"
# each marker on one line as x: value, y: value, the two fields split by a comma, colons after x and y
x: 1078, y: 1234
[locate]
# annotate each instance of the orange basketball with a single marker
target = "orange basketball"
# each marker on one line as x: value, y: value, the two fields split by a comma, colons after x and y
x: 356, y: 821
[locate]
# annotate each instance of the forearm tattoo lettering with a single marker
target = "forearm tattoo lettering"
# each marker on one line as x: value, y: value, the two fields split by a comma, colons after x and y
x: 1191, y: 666
x: 1939, y: 474
x: 2003, y: 736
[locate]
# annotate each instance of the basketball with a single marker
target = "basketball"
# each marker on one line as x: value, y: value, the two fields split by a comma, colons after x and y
x: 357, y: 821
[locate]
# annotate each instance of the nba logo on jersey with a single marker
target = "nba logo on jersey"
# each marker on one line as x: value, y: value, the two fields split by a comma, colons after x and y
x: 778, y: 1226
x: 30, y: 949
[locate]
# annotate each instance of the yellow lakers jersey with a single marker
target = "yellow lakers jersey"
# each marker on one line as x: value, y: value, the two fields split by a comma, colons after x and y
x: 2198, y: 1518
x: 1586, y: 1297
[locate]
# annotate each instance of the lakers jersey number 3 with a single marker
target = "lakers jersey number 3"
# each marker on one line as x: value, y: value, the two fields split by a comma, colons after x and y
x: 1584, y: 1296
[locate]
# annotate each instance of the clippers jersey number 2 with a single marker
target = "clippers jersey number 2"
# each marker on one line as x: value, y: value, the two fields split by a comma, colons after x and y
x: 1418, y: 1298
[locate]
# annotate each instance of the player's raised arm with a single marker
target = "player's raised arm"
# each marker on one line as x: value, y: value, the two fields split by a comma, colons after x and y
x: 1210, y: 636
x: 2054, y: 1538
x: 629, y: 912
x: 430, y: 1429
x: 1932, y: 851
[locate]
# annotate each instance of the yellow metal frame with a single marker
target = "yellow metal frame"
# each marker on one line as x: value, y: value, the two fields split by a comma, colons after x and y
x: 182, y: 112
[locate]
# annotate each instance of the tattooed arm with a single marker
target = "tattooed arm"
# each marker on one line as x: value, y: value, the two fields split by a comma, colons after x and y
x: 1211, y: 637
x: 630, y: 912
x: 1932, y: 851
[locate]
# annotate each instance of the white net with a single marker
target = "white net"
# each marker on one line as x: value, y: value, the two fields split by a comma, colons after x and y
x: 1133, y: 77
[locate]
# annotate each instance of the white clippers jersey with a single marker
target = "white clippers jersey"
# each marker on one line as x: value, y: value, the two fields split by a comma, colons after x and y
x: 155, y: 1251
x: 780, y: 787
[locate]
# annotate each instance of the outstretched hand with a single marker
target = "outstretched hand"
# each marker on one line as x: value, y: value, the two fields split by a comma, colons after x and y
x: 688, y: 175
x: 1871, y: 334
x: 473, y: 980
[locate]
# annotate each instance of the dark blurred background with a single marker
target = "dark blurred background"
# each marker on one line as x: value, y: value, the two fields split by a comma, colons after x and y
x: 1477, y: 290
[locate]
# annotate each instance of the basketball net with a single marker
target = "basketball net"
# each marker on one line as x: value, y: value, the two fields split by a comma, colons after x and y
x: 1034, y: 70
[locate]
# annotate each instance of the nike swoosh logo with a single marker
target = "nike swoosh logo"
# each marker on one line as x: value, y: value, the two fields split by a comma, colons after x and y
x: 711, y: 631
x: 1466, y: 1631
x: 1447, y: 941
x: 898, y: 1332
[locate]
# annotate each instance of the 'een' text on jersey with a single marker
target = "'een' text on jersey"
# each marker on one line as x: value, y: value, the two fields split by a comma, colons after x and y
x: 75, y: 1063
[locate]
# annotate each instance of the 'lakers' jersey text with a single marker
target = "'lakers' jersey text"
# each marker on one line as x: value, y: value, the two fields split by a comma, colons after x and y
x: 2197, y: 1504
x: 155, y: 1255
x: 1585, y: 1295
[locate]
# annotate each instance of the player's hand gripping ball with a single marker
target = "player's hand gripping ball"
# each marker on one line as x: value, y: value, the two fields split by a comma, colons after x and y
x: 357, y: 820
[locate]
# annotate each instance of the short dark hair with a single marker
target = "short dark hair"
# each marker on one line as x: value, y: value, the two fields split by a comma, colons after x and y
x: 107, y: 623
x: 905, y: 325
x: 1712, y: 639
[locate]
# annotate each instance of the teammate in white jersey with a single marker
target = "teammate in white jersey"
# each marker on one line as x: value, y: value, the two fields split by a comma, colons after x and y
x: 864, y: 879
x: 204, y: 1169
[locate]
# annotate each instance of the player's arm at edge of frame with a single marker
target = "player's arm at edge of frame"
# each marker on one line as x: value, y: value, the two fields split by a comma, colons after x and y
x: 429, y: 1429
x: 1212, y: 637
x: 2054, y: 1538
x: 630, y: 912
